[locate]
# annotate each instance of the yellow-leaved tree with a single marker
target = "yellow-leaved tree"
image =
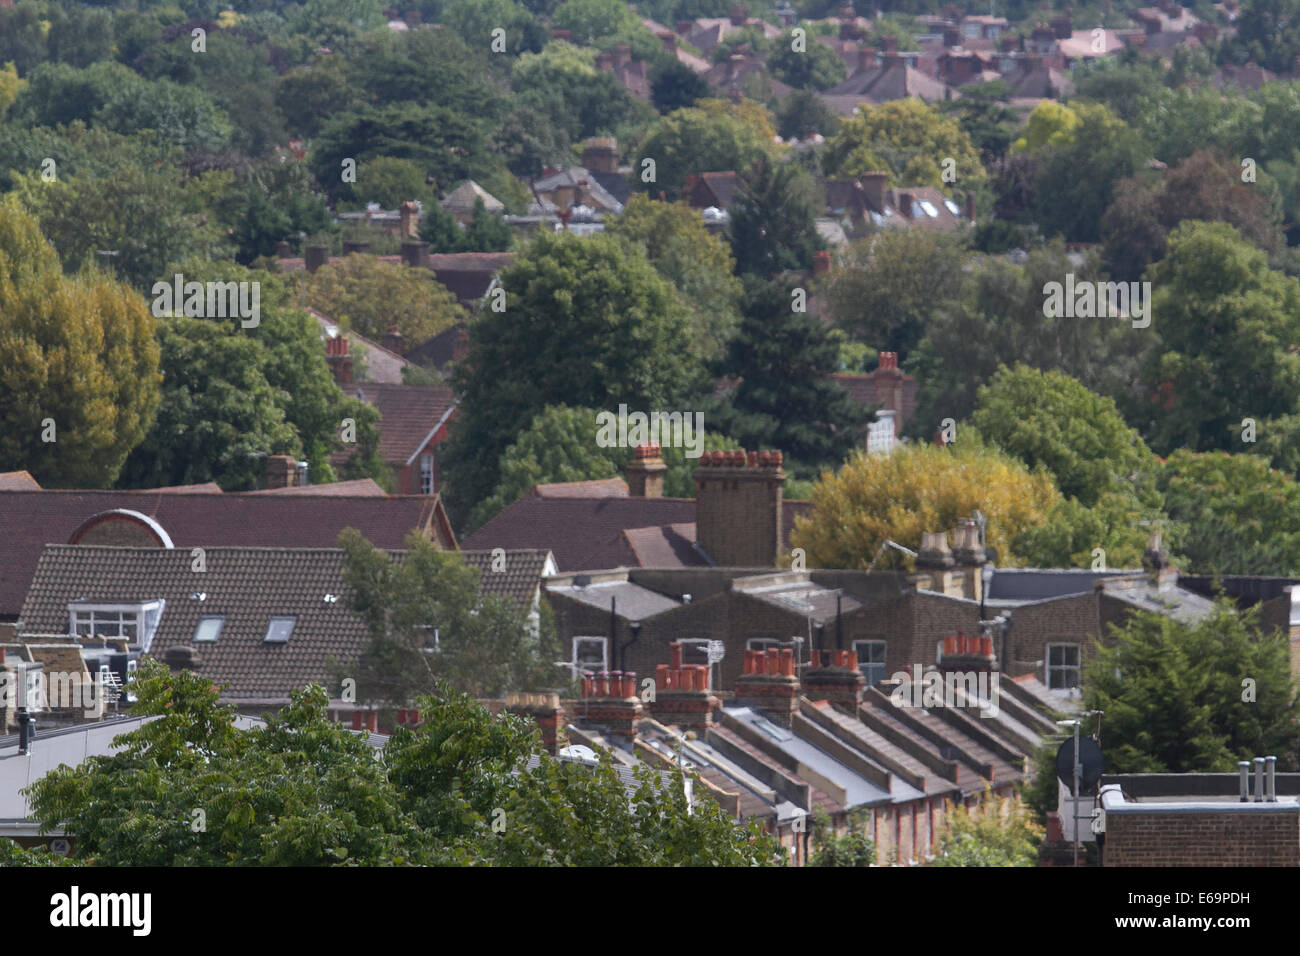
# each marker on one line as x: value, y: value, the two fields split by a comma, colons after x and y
x: 79, y: 378
x: 367, y: 295
x: 919, y: 488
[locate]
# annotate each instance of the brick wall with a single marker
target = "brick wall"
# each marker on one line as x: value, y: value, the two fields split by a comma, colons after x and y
x: 1182, y: 838
x: 1069, y: 620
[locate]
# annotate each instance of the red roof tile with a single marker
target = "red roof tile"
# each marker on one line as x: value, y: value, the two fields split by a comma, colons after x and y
x: 409, y: 416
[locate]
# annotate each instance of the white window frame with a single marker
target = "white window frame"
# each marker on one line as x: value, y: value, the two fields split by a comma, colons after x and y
x: 866, y: 667
x: 587, y: 639
x: 763, y: 643
x: 426, y: 473
x: 1077, y: 667
x: 148, y: 615
x: 436, y: 645
x: 221, y: 626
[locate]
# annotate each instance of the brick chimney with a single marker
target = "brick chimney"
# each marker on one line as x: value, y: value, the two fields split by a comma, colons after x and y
x: 609, y: 699
x: 622, y: 55
x: 1155, y: 560
x: 821, y: 262
x: 934, y: 551
x: 283, y: 250
x: 1062, y: 27
x: 565, y: 35
x: 315, y: 256
x: 951, y: 37
x: 967, y: 653
x: 410, y: 214
x: 600, y: 154
x: 669, y: 40
x: 970, y: 206
x: 968, y: 550
x: 605, y: 62
x: 739, y: 16
x: 889, y: 44
x: 866, y: 59
x: 545, y: 710
x: 393, y: 340
x: 340, y: 362
x: 873, y: 184
x: 682, y: 696
x: 645, y: 472
x: 769, y: 684
x: 414, y: 253
x: 355, y: 247
x: 888, y: 363
x: 834, y: 676
x: 281, y: 471
x: 905, y: 204
x: 738, y: 505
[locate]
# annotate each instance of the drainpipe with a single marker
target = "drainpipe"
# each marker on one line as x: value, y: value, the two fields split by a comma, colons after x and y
x: 622, y: 654
x: 839, y: 624
x: 613, y: 634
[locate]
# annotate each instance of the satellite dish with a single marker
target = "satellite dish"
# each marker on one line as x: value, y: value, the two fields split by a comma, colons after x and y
x: 1091, y: 764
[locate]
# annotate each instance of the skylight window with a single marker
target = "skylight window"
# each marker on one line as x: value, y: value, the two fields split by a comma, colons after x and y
x: 928, y: 208
x: 952, y: 207
x: 209, y: 627
x: 279, y: 629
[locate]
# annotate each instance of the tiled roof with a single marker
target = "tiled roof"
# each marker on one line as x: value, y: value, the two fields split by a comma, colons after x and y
x: 462, y: 199
x: 820, y: 799
x: 409, y: 415
x: 891, y: 79
x: 519, y: 581
x: 248, y: 586
x: 357, y: 488
x: 665, y: 546
x: 443, y: 349
x: 31, y: 519
x: 17, y: 481
x: 634, y: 602
x: 596, y: 488
x: 583, y: 533
x: 382, y: 364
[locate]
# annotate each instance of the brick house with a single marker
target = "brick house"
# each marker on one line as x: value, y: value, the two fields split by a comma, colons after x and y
x: 414, y: 420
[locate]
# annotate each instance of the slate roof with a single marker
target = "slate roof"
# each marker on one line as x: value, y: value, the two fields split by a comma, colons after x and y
x: 633, y: 602
x: 248, y: 586
x: 1037, y: 584
x: 443, y: 349
x: 31, y: 519
x: 890, y: 79
x: 665, y: 546
x: 712, y: 189
x: 1178, y: 603
x: 409, y: 416
x: 462, y: 199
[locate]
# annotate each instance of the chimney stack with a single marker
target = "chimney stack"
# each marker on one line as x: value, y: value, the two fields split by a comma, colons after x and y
x: 866, y: 59
x: 968, y: 549
x: 682, y: 696
x: 934, y: 552
x: 545, y: 711
x: 951, y: 37
x: 622, y: 55
x: 873, y: 184
x: 821, y: 262
x: 315, y: 256
x: 738, y: 507
x: 669, y: 40
x: 835, y: 676
x: 393, y: 340
x: 1062, y: 27
x: 605, y: 62
x: 565, y: 35
x: 739, y: 16
x: 355, y: 246
x: 281, y: 471
x: 414, y: 253
x: 410, y: 215
x: 283, y: 250
x: 905, y: 200
x: 768, y: 683
x: 340, y: 362
x: 970, y: 207
x: 645, y: 472
x: 889, y: 44
x: 609, y: 699
x: 600, y: 154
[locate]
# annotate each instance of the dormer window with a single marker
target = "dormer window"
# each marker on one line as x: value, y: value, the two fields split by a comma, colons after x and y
x: 135, y: 623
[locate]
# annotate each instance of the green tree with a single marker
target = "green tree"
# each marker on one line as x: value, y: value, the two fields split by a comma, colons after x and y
x: 486, y: 231
x: 78, y: 364
x: 309, y: 95
x: 675, y: 86
x: 885, y: 288
x: 773, y: 219
x: 368, y: 295
x: 803, y: 115
x: 711, y: 136
x: 786, y: 399
x: 1001, y: 832
x: 391, y: 182
x: 474, y: 21
x: 562, y: 84
x: 1076, y: 179
x: 816, y: 67
x: 269, y: 203
x: 1239, y: 515
x: 1225, y: 325
x: 1051, y: 419
x: 1267, y: 33
x: 588, y: 322
x: 909, y: 140
x: 1194, y: 698
x: 696, y: 262
x: 848, y: 849
x: 916, y: 489
x: 587, y: 20
x: 427, y: 621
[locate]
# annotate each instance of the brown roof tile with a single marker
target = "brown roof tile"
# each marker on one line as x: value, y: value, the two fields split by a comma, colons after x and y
x: 596, y: 488
x: 408, y: 416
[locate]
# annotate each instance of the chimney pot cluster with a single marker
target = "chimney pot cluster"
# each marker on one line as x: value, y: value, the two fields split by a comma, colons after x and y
x: 888, y: 362
x: 773, y: 662
x: 619, y: 685
x: 968, y: 645
x: 336, y: 346
x: 846, y: 660
x: 741, y: 459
